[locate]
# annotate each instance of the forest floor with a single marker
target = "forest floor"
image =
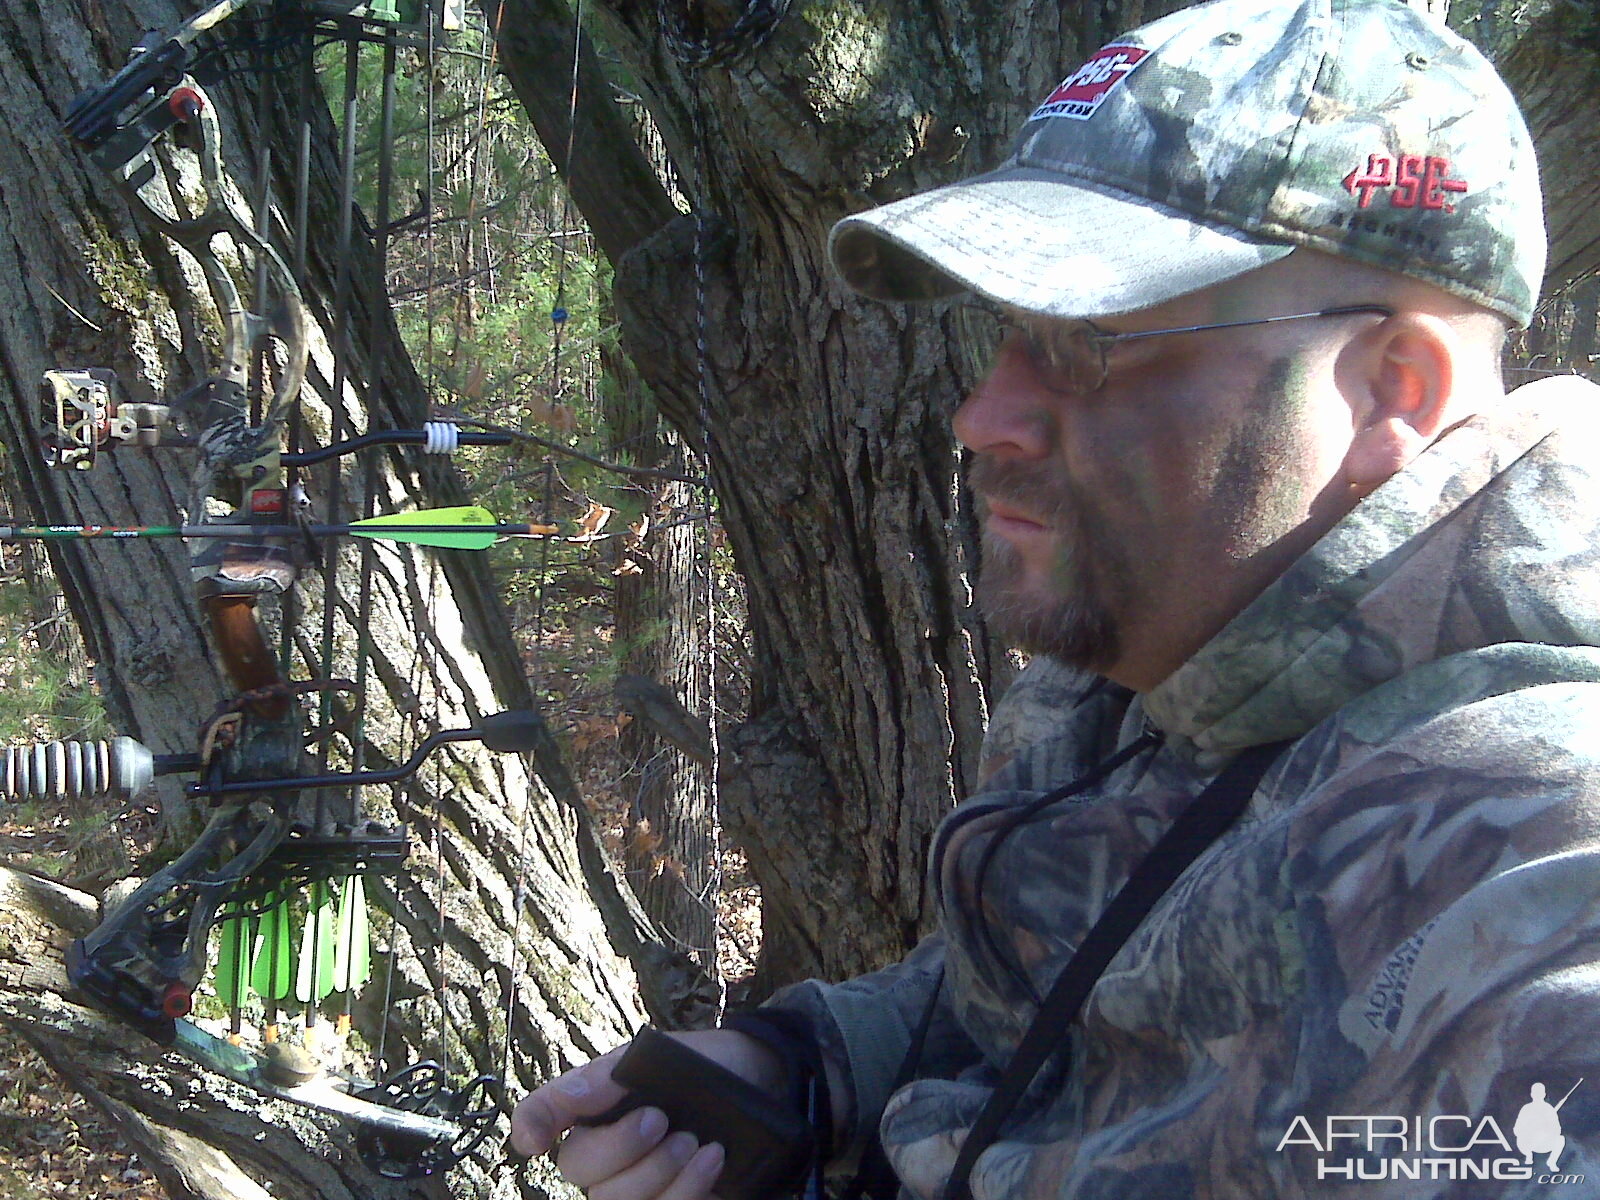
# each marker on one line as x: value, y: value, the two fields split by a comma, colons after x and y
x: 54, y: 1143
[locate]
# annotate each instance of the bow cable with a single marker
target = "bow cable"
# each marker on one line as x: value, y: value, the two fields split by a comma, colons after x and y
x: 704, y: 674
x: 519, y: 894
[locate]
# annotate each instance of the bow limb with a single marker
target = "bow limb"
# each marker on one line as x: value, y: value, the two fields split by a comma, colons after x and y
x: 144, y: 961
x: 131, y: 159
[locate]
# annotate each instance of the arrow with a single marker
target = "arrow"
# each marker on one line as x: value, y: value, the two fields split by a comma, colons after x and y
x: 464, y: 528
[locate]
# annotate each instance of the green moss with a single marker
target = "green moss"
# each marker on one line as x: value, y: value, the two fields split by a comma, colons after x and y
x: 121, y: 276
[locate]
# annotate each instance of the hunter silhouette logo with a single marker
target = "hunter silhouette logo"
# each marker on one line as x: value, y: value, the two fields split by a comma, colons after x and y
x: 1538, y: 1127
x: 1447, y: 1146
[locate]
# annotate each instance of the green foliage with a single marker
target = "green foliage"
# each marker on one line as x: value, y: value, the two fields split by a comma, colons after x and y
x: 501, y: 299
x: 45, y: 692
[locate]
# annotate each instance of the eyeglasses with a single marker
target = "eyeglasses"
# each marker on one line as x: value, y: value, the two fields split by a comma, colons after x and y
x: 1070, y: 356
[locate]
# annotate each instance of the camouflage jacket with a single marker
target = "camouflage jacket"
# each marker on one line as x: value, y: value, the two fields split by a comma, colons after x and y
x: 1354, y: 992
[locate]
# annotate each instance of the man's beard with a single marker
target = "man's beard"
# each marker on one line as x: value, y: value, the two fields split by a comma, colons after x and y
x: 1068, y: 615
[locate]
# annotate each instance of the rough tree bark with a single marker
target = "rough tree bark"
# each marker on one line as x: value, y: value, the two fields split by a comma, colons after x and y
x: 1554, y: 70
x: 659, y: 610
x: 512, y: 928
x: 824, y: 419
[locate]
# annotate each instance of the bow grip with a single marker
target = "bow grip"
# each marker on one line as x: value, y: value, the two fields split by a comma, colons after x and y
x: 768, y: 1143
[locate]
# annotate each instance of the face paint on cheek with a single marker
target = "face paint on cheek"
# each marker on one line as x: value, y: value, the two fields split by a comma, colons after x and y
x: 1143, y: 483
x: 1059, y: 605
x: 1260, y: 493
x: 1128, y: 462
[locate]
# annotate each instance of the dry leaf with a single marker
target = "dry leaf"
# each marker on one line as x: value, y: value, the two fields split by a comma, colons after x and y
x: 592, y: 522
x: 477, y: 376
x: 591, y: 730
x: 559, y: 417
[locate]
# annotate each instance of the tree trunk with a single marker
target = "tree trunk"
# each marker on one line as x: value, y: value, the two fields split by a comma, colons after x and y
x: 669, y: 852
x: 507, y: 918
x: 823, y: 418
x: 1552, y: 70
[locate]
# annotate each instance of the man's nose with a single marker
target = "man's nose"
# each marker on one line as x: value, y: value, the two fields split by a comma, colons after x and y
x: 1009, y: 413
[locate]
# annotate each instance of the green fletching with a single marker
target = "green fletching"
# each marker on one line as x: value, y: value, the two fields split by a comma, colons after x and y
x: 317, y: 945
x: 233, y: 959
x: 272, y: 968
x: 353, y: 962
x: 454, y: 528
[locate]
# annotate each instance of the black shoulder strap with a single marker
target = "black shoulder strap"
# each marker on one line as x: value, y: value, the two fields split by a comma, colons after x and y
x: 1205, y: 820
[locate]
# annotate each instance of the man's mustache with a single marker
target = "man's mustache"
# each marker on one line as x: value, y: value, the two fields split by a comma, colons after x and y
x: 1030, y: 487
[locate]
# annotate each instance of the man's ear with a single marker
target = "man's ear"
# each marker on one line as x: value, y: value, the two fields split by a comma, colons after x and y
x: 1400, y: 381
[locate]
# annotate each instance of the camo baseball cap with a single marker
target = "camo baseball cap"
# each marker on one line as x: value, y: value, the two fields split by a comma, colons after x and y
x: 1219, y: 139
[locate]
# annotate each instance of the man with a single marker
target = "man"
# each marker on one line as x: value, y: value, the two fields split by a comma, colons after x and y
x: 1538, y: 1128
x: 1272, y: 507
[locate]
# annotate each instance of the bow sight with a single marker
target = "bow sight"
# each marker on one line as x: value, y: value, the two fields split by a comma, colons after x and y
x: 145, y: 960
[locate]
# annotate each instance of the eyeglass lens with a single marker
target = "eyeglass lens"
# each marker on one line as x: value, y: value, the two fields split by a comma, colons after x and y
x: 1066, y: 356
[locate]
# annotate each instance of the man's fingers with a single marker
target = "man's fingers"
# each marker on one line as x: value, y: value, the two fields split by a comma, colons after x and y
x: 678, y: 1168
x: 625, y: 1158
x: 698, y: 1176
x: 549, y: 1111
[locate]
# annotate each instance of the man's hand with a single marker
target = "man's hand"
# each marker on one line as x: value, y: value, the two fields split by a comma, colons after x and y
x: 634, y: 1158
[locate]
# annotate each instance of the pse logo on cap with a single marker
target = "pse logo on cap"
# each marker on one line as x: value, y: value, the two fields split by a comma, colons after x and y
x: 1082, y: 92
x: 1418, y: 181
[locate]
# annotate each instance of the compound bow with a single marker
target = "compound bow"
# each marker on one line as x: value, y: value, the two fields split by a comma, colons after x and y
x: 252, y: 765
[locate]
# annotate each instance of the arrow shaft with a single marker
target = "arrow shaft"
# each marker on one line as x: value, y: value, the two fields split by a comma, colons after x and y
x: 41, y: 533
x: 37, y: 533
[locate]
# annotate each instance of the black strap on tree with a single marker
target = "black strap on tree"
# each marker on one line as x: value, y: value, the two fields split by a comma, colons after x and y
x: 1205, y: 820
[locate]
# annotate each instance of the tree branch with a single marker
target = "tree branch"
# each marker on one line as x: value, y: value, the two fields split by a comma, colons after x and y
x: 610, y: 179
